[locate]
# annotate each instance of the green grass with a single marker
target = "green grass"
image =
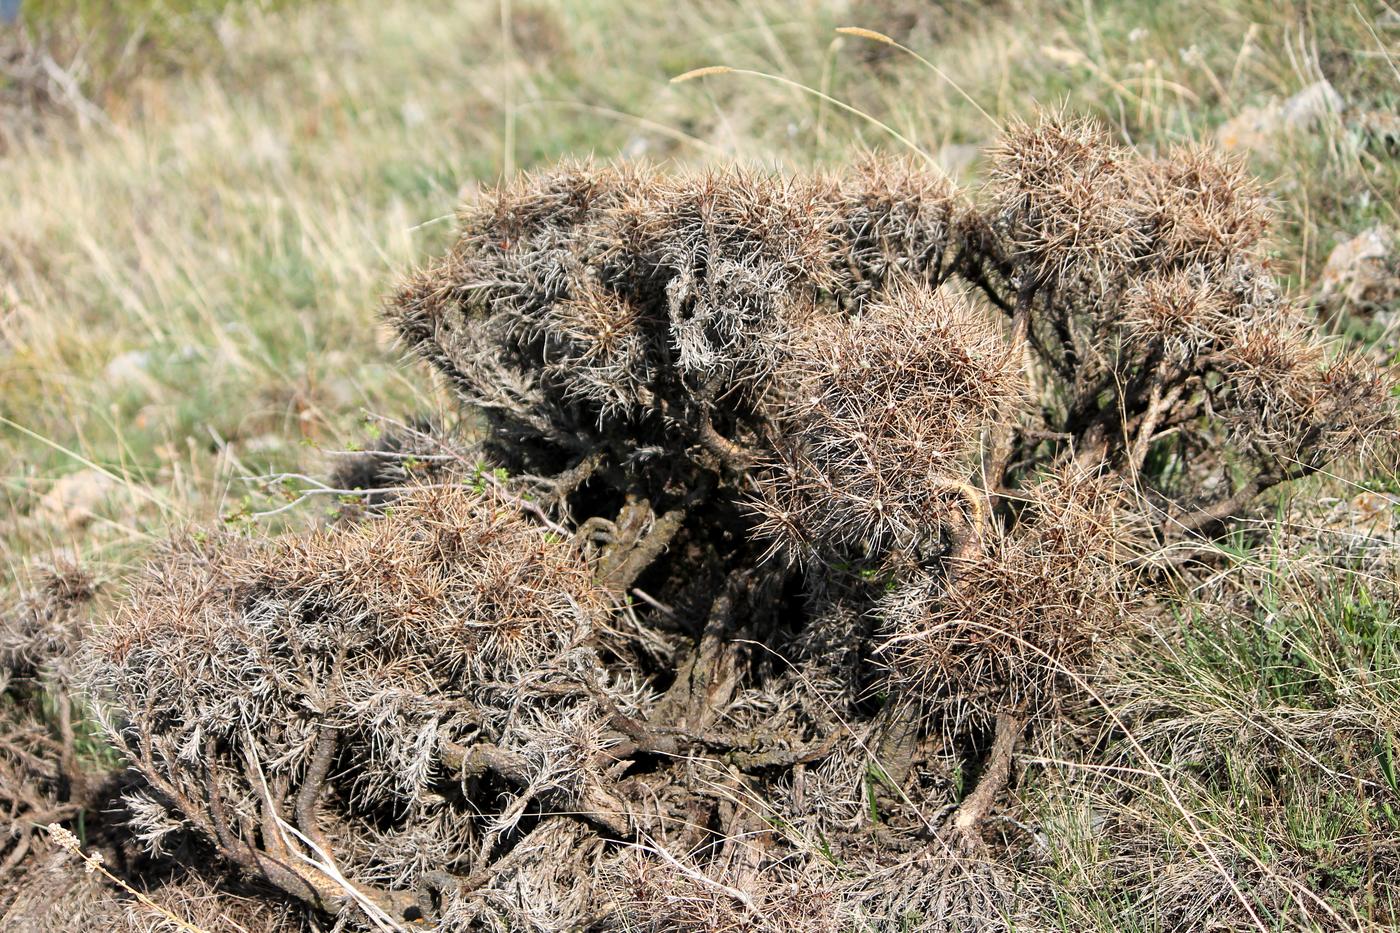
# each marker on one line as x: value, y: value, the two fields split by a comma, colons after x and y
x: 1266, y: 734
x: 108, y: 46
x: 270, y: 174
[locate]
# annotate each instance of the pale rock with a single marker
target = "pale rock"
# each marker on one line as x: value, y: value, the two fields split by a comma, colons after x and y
x: 72, y: 500
x: 339, y: 394
x: 1364, y: 270
x: 269, y: 149
x: 1379, y: 129
x: 1311, y: 106
x: 1369, y: 506
x: 955, y: 158
x: 128, y: 367
x: 1256, y: 128
x: 412, y: 114
x: 1250, y: 129
x: 264, y: 443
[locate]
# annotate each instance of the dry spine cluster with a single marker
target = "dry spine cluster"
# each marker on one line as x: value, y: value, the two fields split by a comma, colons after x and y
x: 805, y: 477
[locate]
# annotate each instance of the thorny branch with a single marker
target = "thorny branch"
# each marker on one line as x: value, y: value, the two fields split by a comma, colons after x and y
x: 746, y: 401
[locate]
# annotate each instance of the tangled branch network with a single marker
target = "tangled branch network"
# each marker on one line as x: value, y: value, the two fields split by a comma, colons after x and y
x: 778, y: 489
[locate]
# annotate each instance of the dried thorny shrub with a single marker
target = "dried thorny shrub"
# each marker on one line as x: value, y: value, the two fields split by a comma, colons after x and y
x: 879, y: 426
x: 60, y: 893
x: 401, y: 455
x: 49, y: 775
x: 392, y: 696
x: 1019, y: 619
x: 42, y: 625
x: 667, y: 895
x: 790, y: 492
x: 1143, y: 290
x: 42, y: 776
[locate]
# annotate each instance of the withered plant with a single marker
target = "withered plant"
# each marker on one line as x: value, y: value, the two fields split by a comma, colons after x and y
x: 50, y: 779
x: 787, y: 491
x: 42, y: 776
x: 382, y: 703
x: 1166, y: 350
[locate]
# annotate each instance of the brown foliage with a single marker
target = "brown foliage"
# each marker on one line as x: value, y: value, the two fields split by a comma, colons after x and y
x: 809, y: 483
x: 1012, y: 627
x: 348, y: 688
x: 880, y: 425
x: 57, y: 893
x: 42, y: 778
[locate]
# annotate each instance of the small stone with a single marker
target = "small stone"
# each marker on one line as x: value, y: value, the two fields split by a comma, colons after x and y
x: 128, y: 367
x: 1379, y: 129
x: 264, y: 443
x: 1251, y: 129
x: 269, y: 148
x: 412, y: 113
x: 339, y: 393
x: 1364, y: 271
x: 72, y: 500
x: 954, y: 158
x: 1255, y: 128
x: 1369, y: 506
x: 1310, y: 106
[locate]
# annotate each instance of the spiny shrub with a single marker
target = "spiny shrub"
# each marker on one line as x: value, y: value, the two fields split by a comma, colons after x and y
x: 1141, y: 286
x: 671, y: 897
x: 388, y: 697
x: 42, y: 776
x: 1023, y: 615
x: 878, y: 427
x: 593, y: 297
x: 50, y: 778
x: 62, y: 893
x: 806, y: 478
x: 41, y: 626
